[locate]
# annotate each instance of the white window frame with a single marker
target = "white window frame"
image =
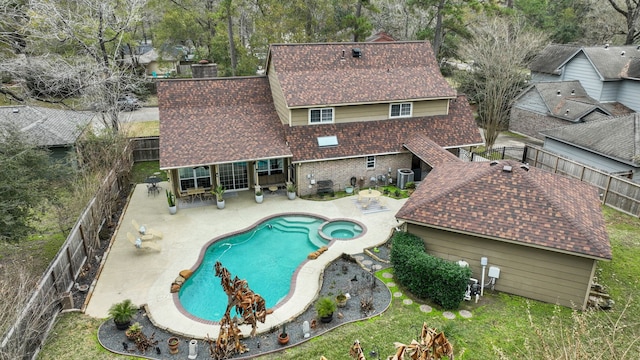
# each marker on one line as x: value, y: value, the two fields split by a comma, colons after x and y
x: 322, y: 115
x: 370, y: 162
x: 402, y: 110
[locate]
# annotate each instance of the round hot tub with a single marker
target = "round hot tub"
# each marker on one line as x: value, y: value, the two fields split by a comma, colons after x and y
x: 340, y: 230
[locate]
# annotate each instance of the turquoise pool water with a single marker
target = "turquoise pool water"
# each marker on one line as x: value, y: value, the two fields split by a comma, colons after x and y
x: 340, y: 229
x: 266, y: 256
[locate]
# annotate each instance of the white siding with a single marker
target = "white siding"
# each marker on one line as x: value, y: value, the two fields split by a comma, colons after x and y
x: 532, y: 101
x: 581, y: 69
x: 629, y: 94
x: 610, y: 91
x: 584, y: 157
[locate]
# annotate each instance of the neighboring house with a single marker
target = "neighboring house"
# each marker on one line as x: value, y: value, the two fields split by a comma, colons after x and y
x: 611, y: 144
x: 607, y: 73
x: 547, y: 105
x: 543, y: 231
x: 51, y: 129
x: 322, y: 112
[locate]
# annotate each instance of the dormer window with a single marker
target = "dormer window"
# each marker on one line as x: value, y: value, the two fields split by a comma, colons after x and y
x: 321, y: 116
x: 400, y: 110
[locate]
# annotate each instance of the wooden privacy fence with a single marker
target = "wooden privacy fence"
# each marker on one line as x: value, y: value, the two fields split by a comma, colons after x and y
x: 146, y: 148
x: 60, y: 277
x: 615, y: 191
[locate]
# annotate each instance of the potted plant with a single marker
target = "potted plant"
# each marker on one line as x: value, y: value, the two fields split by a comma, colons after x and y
x: 122, y: 313
x: 173, y: 343
x: 325, y: 307
x: 218, y: 191
x: 259, y: 195
x: 283, y: 337
x: 341, y: 300
x: 133, y: 331
x: 171, y: 200
x: 291, y: 191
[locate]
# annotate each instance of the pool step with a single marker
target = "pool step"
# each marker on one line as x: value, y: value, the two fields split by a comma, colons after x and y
x: 307, y: 227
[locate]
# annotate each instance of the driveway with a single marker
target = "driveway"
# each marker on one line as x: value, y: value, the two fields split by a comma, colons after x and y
x: 140, y: 115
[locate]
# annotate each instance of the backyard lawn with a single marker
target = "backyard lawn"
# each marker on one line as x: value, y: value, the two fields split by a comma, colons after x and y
x: 502, y: 326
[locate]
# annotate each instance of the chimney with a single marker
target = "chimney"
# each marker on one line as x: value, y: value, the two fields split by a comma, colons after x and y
x: 204, y: 69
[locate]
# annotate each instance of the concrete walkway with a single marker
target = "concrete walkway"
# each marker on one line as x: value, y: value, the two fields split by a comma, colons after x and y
x: 145, y: 276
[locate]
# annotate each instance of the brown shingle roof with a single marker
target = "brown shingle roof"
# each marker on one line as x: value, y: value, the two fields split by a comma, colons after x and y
x: 318, y: 74
x: 534, y: 207
x: 428, y: 151
x: 385, y: 136
x: 208, y: 121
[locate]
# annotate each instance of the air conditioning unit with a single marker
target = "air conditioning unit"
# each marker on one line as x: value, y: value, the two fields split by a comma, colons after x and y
x: 404, y: 176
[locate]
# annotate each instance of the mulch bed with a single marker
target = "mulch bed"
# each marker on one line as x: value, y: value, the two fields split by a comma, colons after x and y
x: 342, y: 275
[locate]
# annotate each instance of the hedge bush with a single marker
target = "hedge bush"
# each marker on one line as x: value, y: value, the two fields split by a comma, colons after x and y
x: 426, y: 276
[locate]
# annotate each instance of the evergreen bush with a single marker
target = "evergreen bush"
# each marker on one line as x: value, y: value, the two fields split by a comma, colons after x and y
x: 426, y: 276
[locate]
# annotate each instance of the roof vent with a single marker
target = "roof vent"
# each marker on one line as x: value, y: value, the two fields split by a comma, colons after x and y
x: 559, y: 93
x: 16, y: 110
x: 622, y: 53
x: 524, y: 167
x: 494, y: 162
x: 356, y: 52
x: 342, y: 57
x: 606, y: 46
x: 573, y: 91
x: 507, y: 168
x: 566, y: 112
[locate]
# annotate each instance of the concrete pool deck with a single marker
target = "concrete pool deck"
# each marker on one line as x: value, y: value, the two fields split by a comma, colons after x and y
x: 145, y: 275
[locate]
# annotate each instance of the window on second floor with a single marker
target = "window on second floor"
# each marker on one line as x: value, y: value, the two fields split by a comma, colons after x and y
x: 400, y: 110
x: 371, y: 162
x: 319, y: 116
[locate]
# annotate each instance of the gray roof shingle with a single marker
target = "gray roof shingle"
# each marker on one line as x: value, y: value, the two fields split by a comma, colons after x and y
x: 47, y: 127
x: 617, y: 137
x: 530, y: 207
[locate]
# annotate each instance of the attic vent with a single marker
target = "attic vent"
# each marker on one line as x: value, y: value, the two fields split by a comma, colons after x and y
x: 524, y: 167
x: 356, y: 52
x: 573, y: 91
x: 494, y: 162
x: 507, y: 168
x: 622, y: 53
x: 606, y: 46
x: 559, y: 93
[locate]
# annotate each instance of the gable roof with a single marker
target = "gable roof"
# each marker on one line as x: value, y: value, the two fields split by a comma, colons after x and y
x: 210, y: 121
x: 615, y: 137
x: 47, y: 127
x: 550, y: 59
x: 527, y: 207
x: 327, y: 74
x: 356, y: 139
x: 566, y: 100
x: 428, y: 151
x: 612, y: 62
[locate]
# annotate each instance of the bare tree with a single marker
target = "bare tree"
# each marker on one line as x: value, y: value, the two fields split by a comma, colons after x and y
x: 500, y: 50
x: 24, y: 319
x: 630, y: 9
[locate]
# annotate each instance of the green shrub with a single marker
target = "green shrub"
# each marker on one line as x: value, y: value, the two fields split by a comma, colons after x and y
x: 426, y: 276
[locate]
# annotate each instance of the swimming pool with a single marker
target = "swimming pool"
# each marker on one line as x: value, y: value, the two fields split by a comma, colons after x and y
x: 266, y: 255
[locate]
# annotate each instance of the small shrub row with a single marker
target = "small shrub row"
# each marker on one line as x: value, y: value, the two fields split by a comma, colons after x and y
x: 426, y: 276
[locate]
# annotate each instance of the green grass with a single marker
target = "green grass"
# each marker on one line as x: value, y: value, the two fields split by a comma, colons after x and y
x: 142, y: 128
x: 501, y: 323
x: 142, y: 170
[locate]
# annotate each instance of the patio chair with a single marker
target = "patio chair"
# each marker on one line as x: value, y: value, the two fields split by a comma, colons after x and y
x: 140, y: 244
